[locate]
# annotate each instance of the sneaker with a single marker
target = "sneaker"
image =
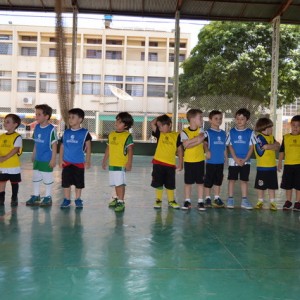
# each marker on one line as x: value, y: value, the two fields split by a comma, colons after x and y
x: 120, y: 206
x: 230, y: 203
x: 33, y: 201
x: 113, y: 203
x: 157, y: 204
x: 66, y: 203
x: 273, y: 206
x: 296, y: 206
x: 201, y: 206
x: 47, y: 201
x: 78, y: 203
x: 246, y: 204
x: 218, y: 203
x: 186, y: 205
x: 259, y: 205
x: 14, y: 202
x: 207, y: 202
x: 287, y: 205
x: 174, y: 204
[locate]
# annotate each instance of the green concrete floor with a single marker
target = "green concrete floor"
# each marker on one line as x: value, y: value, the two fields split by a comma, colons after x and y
x: 49, y: 253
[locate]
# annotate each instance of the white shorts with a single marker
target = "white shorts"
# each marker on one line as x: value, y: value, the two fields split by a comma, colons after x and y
x: 117, y: 178
x: 46, y: 177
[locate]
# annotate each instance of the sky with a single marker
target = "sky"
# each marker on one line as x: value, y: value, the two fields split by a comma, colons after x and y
x: 97, y: 21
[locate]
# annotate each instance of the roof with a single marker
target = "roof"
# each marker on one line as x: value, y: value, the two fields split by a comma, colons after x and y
x: 233, y: 10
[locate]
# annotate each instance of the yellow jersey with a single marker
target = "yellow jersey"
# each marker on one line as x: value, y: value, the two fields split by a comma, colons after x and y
x: 291, y: 148
x: 7, y: 142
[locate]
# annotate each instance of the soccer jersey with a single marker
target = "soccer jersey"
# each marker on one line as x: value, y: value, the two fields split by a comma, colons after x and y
x: 43, y: 138
x: 240, y: 140
x: 265, y: 159
x: 118, y: 148
x: 291, y: 148
x: 216, y: 144
x: 74, y: 145
x: 194, y: 154
x: 167, y: 144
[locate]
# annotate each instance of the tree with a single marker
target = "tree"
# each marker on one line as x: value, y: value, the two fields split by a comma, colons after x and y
x: 233, y: 61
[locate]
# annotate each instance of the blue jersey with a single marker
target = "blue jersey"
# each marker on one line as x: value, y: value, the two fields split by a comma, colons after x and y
x: 43, y: 138
x: 74, y: 145
x: 216, y: 144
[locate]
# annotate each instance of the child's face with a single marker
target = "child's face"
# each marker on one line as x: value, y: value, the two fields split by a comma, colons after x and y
x: 295, y: 128
x: 40, y: 117
x: 164, y: 128
x: 216, y: 121
x: 268, y: 131
x: 197, y: 120
x: 10, y: 125
x: 74, y: 120
x: 119, y: 125
x: 240, y: 121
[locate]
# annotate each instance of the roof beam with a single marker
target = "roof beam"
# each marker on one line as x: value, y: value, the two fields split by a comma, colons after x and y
x: 282, y: 9
x: 179, y: 4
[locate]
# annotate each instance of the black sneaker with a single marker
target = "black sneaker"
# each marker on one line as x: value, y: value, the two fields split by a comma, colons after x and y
x: 287, y: 205
x: 186, y: 205
x: 207, y: 202
x: 218, y: 203
x: 296, y: 206
x: 201, y: 206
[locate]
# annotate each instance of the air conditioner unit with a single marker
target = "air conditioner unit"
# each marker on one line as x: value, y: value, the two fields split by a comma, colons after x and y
x: 27, y: 100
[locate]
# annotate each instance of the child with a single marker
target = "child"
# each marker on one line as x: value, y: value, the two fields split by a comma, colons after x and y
x: 290, y: 150
x: 193, y: 159
x: 240, y: 141
x: 266, y: 176
x: 43, y: 156
x: 10, y: 150
x: 119, y: 150
x: 75, y: 141
x: 164, y: 161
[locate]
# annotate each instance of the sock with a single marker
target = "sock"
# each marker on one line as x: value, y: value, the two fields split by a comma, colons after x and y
x: 231, y: 197
x: 170, y: 195
x: 200, y: 200
x: 272, y: 200
x: 120, y: 201
x: 36, y: 188
x: 14, y: 190
x: 207, y: 197
x: 260, y: 199
x: 244, y: 198
x: 48, y: 190
x: 188, y: 199
x: 159, y: 193
x: 217, y: 196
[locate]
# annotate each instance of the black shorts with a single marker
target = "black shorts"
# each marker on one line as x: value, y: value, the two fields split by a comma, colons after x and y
x: 13, y: 178
x: 72, y: 175
x: 194, y: 172
x: 266, y: 180
x: 235, y: 171
x: 213, y: 175
x: 291, y: 177
x: 163, y: 176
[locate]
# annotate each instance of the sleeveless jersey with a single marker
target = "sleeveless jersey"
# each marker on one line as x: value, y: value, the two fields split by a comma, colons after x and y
x: 291, y: 149
x: 265, y: 159
x: 194, y: 154
x: 216, y: 145
x: 7, y: 142
x: 118, y: 144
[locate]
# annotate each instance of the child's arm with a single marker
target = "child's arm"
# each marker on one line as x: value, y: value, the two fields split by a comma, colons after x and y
x: 128, y: 166
x: 180, y: 158
x: 280, y: 159
x: 105, y: 158
x: 275, y: 146
x: 88, y: 150
x: 10, y: 154
x: 33, y: 153
x: 153, y: 124
x: 237, y: 160
x: 61, y: 154
x: 194, y: 142
x: 52, y: 162
x: 250, y: 151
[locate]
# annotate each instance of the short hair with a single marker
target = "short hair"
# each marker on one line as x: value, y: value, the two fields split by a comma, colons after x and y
x: 78, y: 112
x: 243, y: 111
x: 164, y: 119
x: 192, y: 113
x: 295, y: 118
x: 213, y: 113
x: 16, y: 119
x: 262, y: 124
x: 46, y: 109
x: 126, y: 118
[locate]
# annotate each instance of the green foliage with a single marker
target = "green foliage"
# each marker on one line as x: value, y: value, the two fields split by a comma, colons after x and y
x: 233, y: 60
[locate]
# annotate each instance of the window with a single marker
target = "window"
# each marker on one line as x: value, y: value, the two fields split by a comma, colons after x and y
x: 48, y: 86
x: 107, y: 91
x: 113, y: 42
x: 29, y: 51
x: 5, y: 49
x: 156, y: 79
x: 91, y: 53
x: 27, y: 74
x: 153, y: 44
x: 26, y: 86
x: 172, y: 57
x: 113, y: 55
x: 153, y: 56
x: 135, y: 78
x: 113, y: 78
x: 143, y: 43
x: 29, y: 38
x: 48, y: 75
x: 136, y: 90
x: 90, y: 88
x: 91, y: 77
x: 52, y: 52
x: 5, y: 74
x: 94, y: 41
x: 156, y: 90
x: 5, y: 85
x: 181, y: 45
x: 142, y: 56
x: 5, y: 37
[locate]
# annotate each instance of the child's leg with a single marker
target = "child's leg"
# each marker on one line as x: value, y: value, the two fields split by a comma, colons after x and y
x: 244, y: 188
x: 187, y: 191
x: 2, y: 186
x: 231, y: 184
x: 207, y: 192
x: 67, y: 193
x: 217, y: 190
x: 77, y: 193
x: 2, y: 192
x: 260, y: 195
x: 14, y: 190
x: 48, y: 182
x: 159, y: 193
x: 200, y: 189
x: 170, y: 195
x: 120, y: 191
x: 289, y: 194
x: 271, y: 195
x: 297, y: 196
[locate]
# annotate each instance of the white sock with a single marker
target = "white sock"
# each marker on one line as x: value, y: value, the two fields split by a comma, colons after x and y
x: 36, y: 188
x: 48, y: 190
x: 261, y: 200
x: 217, y: 196
x: 272, y: 200
x: 188, y: 199
x: 200, y: 200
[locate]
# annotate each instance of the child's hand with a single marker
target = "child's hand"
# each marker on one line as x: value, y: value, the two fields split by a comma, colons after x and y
x: 2, y: 158
x: 185, y: 143
x: 32, y: 158
x: 128, y: 167
x: 52, y: 163
x: 61, y: 164
x: 208, y: 154
x: 104, y: 165
x: 87, y: 164
x: 279, y: 167
x: 179, y: 168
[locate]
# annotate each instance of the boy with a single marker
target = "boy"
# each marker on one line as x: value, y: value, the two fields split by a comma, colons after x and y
x: 75, y: 142
x: 43, y: 156
x: 164, y: 161
x: 193, y: 159
x: 290, y: 151
x: 240, y: 141
x: 266, y: 176
x: 119, y: 150
x: 10, y: 150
